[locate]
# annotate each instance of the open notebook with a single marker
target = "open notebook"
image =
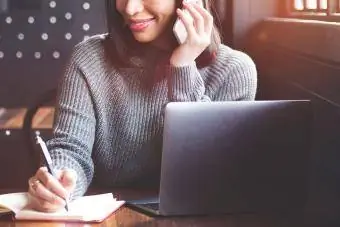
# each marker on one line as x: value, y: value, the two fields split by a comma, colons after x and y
x: 94, y: 208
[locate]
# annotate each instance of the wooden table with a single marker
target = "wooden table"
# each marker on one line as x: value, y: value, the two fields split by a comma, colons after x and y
x: 130, y: 218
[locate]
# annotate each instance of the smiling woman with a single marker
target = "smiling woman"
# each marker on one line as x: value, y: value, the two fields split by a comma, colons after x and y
x: 154, y: 23
x: 155, y: 18
x: 109, y: 116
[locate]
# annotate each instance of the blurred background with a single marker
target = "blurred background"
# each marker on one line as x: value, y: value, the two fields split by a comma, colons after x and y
x: 294, y: 43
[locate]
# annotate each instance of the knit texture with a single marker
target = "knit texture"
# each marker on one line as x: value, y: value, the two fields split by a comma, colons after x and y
x: 108, y: 123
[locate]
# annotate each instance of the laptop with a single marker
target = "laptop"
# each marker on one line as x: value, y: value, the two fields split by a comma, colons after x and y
x: 233, y: 158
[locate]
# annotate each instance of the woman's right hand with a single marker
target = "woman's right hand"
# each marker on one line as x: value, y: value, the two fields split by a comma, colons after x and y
x: 48, y: 193
x: 199, y: 34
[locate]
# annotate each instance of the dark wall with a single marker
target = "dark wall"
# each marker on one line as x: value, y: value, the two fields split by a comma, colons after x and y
x: 301, y: 60
x: 223, y: 20
x: 298, y: 60
x: 30, y: 61
x: 245, y: 15
x: 31, y: 64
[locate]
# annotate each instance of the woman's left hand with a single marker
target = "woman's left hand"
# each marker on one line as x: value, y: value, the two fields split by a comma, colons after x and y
x: 199, y: 29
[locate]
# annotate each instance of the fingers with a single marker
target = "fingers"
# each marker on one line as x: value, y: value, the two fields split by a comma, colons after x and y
x: 47, y: 193
x: 199, y: 20
x: 187, y: 22
x: 38, y: 190
x: 203, y: 20
x: 40, y: 204
x: 207, y: 18
x: 198, y: 24
x: 50, y: 183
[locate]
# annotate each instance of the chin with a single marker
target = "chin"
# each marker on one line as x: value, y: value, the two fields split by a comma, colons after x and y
x: 143, y: 38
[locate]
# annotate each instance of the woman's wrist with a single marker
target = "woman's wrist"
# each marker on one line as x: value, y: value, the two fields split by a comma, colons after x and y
x: 178, y: 64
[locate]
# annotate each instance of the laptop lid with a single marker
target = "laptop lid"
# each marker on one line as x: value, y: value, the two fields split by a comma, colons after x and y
x: 235, y: 157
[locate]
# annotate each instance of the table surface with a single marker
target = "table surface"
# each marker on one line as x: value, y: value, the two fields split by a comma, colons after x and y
x: 131, y: 218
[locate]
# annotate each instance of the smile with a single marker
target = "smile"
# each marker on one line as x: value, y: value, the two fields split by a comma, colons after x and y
x: 140, y: 25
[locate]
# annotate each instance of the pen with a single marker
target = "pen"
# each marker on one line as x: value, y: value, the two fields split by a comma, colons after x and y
x: 48, y: 161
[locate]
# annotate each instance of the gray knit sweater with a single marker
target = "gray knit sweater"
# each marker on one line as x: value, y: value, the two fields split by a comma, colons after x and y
x: 108, y: 123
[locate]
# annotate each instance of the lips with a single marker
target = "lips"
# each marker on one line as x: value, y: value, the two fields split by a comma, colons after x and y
x: 140, y: 25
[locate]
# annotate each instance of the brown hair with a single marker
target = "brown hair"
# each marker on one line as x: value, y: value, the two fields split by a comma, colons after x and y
x: 122, y: 45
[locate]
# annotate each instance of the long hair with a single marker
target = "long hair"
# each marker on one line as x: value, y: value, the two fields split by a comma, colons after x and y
x: 123, y: 47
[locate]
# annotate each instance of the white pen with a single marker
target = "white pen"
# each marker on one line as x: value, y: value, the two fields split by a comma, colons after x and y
x: 48, y: 161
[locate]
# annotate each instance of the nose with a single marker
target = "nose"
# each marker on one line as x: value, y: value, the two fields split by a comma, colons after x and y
x: 133, y: 6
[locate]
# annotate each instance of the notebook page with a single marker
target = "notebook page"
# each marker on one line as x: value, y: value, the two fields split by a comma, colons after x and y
x: 87, y: 208
x: 30, y: 214
x: 100, y: 210
x: 95, y: 207
x: 13, y: 202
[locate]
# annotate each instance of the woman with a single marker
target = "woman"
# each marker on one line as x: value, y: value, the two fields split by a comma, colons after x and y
x: 108, y: 124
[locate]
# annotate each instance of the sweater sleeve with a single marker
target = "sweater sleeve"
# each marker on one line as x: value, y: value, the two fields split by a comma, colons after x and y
x: 185, y: 84
x: 240, y: 84
x: 74, y: 128
x: 233, y: 77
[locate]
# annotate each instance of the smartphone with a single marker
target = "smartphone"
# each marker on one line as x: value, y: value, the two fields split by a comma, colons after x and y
x: 179, y: 30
